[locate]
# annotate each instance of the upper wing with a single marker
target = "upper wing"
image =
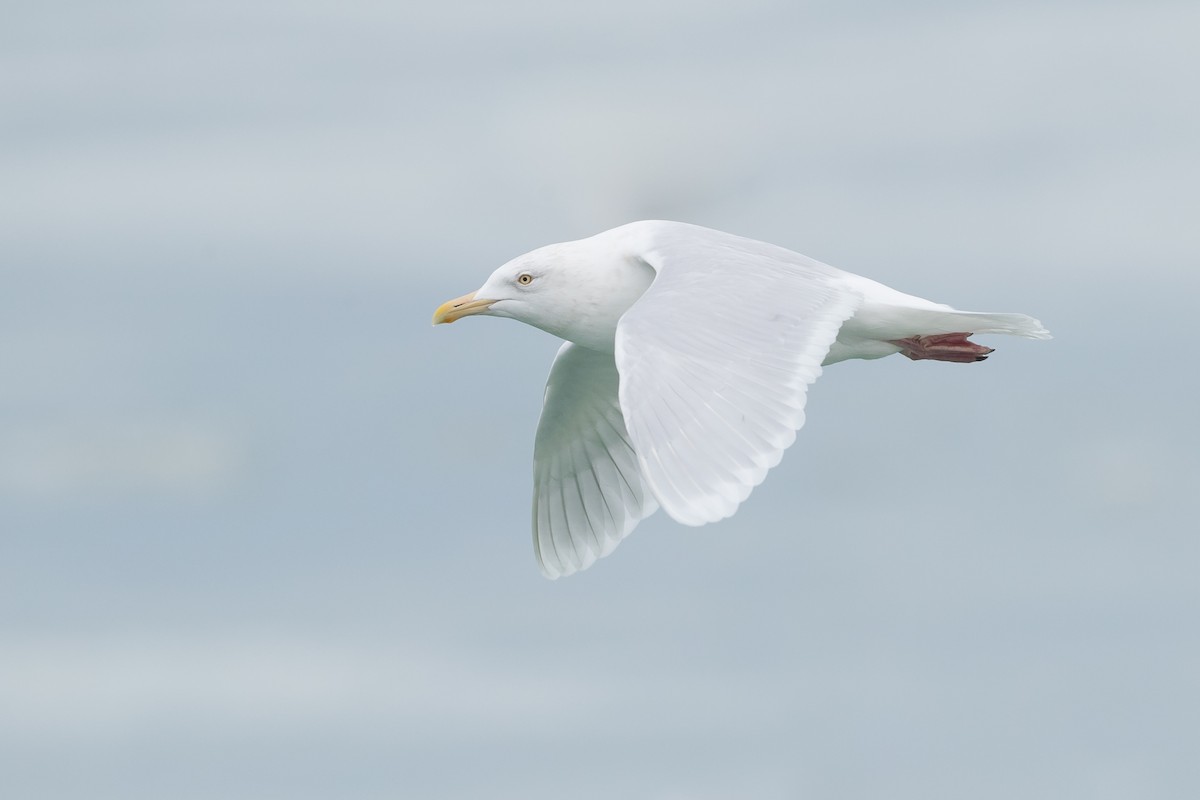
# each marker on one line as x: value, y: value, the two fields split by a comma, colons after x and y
x: 715, y: 360
x: 588, y: 492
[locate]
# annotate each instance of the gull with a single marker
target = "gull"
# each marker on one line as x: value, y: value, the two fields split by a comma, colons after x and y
x: 686, y: 365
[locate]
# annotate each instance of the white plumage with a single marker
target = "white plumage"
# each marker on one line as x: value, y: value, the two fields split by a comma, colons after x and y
x: 689, y: 356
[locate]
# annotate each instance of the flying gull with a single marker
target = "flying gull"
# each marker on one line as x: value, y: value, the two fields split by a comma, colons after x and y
x: 688, y: 356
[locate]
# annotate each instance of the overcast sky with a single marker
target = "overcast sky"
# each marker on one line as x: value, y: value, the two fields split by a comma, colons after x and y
x: 264, y: 532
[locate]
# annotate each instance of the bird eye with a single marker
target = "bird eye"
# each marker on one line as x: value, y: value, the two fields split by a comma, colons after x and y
x: 524, y: 279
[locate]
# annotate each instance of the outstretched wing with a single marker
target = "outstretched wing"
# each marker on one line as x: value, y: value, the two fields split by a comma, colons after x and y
x: 715, y: 360
x: 588, y: 492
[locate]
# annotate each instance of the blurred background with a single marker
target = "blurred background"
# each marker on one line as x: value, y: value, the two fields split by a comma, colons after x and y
x: 264, y: 532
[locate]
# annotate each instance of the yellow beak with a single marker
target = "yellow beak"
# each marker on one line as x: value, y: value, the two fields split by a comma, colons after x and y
x: 460, y: 307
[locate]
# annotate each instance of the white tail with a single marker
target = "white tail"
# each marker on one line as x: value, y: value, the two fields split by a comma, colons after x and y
x: 986, y: 322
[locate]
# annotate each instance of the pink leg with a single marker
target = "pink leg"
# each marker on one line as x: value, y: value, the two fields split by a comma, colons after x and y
x: 942, y: 347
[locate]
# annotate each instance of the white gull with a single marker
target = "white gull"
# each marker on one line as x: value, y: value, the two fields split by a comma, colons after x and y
x: 688, y: 357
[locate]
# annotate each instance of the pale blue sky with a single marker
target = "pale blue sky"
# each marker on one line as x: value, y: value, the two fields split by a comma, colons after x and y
x: 264, y: 532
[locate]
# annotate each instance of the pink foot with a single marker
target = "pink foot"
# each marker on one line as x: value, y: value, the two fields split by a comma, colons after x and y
x: 942, y: 347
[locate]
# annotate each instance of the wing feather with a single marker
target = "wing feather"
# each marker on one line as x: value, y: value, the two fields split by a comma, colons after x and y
x: 588, y: 491
x: 715, y: 360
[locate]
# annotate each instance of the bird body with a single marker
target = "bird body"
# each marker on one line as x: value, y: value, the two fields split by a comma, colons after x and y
x: 689, y: 353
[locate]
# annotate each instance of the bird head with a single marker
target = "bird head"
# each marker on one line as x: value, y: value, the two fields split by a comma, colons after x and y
x: 569, y: 290
x: 517, y: 290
